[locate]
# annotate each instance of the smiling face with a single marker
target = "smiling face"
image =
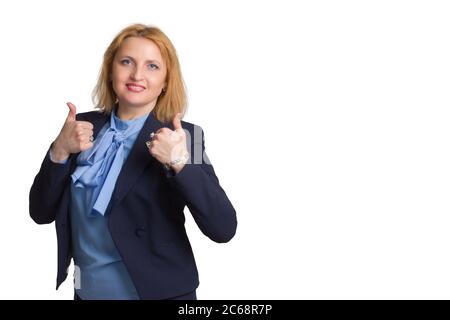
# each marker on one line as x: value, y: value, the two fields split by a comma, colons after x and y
x: 138, y: 75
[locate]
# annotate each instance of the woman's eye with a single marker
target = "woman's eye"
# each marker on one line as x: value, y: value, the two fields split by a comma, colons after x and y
x: 125, y: 61
x: 153, y: 66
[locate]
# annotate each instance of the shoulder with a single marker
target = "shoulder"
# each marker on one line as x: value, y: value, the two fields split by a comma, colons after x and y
x: 195, y: 131
x: 190, y: 126
x: 91, y: 116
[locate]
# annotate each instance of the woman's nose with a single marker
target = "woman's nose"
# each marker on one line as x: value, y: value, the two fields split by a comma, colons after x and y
x: 136, y: 74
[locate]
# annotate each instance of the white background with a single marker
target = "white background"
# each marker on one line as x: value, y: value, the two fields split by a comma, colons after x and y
x: 327, y: 123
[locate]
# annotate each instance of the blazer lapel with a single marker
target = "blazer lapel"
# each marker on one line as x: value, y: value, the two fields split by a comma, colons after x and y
x: 136, y: 162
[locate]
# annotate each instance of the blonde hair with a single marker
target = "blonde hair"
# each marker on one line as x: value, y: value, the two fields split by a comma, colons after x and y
x: 171, y: 101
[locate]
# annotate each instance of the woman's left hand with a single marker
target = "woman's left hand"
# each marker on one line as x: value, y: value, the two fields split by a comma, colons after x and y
x: 169, y: 145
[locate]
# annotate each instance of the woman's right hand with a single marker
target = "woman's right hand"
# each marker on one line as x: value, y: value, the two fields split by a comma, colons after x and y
x: 75, y: 136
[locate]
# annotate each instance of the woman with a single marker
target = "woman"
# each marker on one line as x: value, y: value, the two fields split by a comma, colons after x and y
x: 116, y: 181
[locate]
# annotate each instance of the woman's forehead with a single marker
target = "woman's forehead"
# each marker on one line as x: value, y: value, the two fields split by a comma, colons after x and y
x: 140, y: 48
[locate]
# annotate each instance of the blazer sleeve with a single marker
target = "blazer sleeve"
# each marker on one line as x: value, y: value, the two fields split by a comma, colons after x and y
x: 47, y: 189
x: 199, y: 186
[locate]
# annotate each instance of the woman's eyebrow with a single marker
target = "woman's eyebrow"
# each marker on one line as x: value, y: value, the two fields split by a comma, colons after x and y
x: 131, y: 58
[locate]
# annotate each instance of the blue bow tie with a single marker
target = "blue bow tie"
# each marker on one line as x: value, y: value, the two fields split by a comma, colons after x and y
x: 99, y: 166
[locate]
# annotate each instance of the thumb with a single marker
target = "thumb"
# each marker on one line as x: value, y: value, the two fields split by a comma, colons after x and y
x: 177, y: 121
x: 72, y: 112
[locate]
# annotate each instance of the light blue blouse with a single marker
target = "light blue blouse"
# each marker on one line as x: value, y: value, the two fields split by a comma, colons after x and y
x: 99, y: 270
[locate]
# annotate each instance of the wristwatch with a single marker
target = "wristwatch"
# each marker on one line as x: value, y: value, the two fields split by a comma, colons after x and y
x: 183, y: 159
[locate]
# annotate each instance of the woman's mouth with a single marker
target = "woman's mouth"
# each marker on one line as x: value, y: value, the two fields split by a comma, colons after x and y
x: 135, y: 87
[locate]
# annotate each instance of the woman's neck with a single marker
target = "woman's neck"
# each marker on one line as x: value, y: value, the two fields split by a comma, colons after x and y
x: 125, y: 113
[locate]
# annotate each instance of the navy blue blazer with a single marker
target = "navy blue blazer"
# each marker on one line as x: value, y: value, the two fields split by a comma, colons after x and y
x: 145, y: 214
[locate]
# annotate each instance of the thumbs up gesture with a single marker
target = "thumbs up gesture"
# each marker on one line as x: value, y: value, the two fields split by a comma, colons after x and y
x: 75, y: 136
x: 169, y: 146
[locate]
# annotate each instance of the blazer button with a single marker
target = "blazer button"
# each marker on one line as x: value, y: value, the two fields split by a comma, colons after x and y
x: 139, y: 232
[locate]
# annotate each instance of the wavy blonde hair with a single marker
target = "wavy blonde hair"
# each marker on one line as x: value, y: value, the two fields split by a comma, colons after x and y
x: 171, y: 101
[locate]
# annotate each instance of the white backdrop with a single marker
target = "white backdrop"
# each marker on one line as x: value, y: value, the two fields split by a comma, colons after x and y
x: 327, y: 123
